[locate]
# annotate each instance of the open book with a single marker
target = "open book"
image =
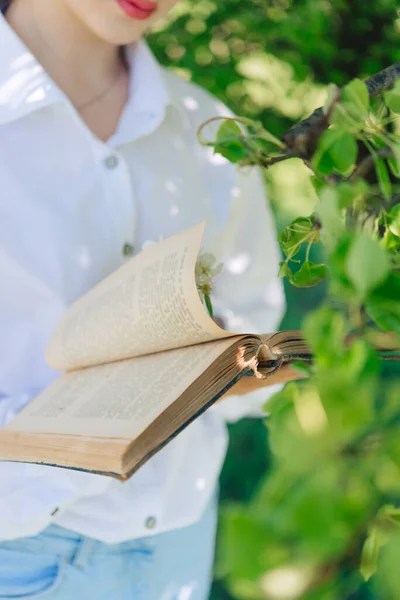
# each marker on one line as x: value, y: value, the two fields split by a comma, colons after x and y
x: 143, y: 359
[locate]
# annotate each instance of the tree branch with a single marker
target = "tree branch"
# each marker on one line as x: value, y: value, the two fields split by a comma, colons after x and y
x: 302, y: 138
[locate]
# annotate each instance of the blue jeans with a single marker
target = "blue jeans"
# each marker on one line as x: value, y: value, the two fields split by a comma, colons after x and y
x: 59, y: 564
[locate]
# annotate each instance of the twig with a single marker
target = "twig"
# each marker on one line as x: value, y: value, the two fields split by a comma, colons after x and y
x: 368, y: 162
x: 272, y: 160
x: 303, y: 137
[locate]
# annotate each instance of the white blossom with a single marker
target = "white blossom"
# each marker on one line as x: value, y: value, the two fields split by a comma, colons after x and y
x: 206, y: 269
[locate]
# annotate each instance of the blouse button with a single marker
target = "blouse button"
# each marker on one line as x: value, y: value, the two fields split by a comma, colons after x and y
x: 151, y: 522
x: 128, y: 250
x: 111, y: 162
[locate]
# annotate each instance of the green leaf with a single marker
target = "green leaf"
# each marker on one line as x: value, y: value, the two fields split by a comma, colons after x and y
x: 299, y: 231
x: 269, y: 137
x: 388, y: 567
x: 282, y: 399
x: 309, y: 275
x: 383, y: 178
x: 355, y: 98
x: 352, y: 193
x: 394, y: 162
x: 243, y: 543
x: 228, y: 130
x: 318, y: 184
x: 383, y: 318
x: 340, y: 285
x: 370, y: 553
x: 208, y: 304
x: 302, y: 368
x: 284, y: 269
x: 389, y: 291
x: 322, y: 160
x: 229, y: 142
x: 232, y: 151
x: 367, y: 264
x: 336, y: 149
x: 383, y: 304
x: 352, y: 110
x: 393, y: 102
x: 392, y: 98
x: 344, y: 121
x: 325, y: 331
x: 392, y: 242
x: 391, y: 513
x: 344, y: 152
x: 329, y: 213
x: 394, y: 220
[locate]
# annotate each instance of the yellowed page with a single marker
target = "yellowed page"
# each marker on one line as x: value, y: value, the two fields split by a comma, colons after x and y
x: 118, y: 399
x: 148, y: 305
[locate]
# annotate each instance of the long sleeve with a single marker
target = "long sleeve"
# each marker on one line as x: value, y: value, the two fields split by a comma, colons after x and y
x: 66, y: 224
x: 249, y: 295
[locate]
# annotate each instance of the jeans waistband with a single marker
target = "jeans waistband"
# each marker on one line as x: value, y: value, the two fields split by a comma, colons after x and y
x: 73, y: 547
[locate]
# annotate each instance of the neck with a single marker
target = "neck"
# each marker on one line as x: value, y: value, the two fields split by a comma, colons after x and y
x: 75, y: 58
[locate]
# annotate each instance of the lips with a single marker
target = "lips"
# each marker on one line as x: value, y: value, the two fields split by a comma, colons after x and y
x: 138, y: 9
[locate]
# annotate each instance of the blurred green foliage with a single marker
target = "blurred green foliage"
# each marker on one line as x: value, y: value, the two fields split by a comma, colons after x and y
x: 272, y: 60
x: 261, y: 56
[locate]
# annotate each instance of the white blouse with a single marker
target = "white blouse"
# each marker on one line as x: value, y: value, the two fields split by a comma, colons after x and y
x: 72, y: 210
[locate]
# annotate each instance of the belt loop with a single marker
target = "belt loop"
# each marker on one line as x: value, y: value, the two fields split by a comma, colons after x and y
x: 84, y: 552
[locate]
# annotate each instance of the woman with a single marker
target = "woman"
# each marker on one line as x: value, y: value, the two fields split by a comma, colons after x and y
x: 98, y: 155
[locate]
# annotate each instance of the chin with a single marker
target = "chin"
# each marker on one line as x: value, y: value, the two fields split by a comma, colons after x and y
x: 120, y: 36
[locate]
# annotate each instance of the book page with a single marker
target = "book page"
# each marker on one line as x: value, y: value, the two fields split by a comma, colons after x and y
x: 119, y: 399
x: 150, y: 304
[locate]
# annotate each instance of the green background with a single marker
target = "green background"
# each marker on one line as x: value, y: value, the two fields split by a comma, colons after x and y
x: 272, y: 60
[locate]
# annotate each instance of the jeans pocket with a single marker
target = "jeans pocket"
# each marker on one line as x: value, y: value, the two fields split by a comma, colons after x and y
x: 29, y: 576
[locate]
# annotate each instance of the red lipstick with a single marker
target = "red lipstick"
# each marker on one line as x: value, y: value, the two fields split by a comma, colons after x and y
x: 138, y: 9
